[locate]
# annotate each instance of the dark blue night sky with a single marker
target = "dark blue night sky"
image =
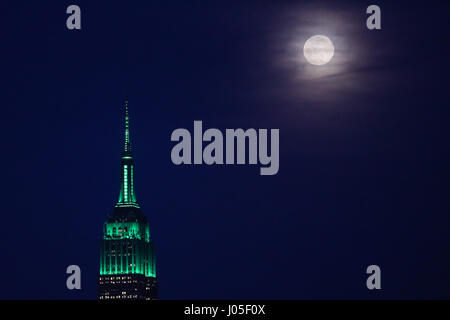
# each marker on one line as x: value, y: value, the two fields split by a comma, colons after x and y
x: 364, y: 151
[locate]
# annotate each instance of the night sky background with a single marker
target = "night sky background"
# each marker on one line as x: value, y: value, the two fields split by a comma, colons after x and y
x: 364, y: 154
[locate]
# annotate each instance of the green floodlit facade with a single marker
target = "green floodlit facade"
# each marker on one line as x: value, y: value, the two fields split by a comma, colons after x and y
x: 127, y: 258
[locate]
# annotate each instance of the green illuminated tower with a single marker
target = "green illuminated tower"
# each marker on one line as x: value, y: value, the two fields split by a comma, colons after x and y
x: 127, y: 259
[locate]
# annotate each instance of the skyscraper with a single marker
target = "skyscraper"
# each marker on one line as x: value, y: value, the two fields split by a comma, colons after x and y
x: 127, y: 259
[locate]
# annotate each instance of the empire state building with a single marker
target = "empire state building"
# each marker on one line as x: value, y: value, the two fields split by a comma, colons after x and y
x: 127, y: 258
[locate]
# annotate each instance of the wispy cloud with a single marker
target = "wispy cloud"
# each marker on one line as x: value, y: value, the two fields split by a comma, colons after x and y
x: 352, y: 65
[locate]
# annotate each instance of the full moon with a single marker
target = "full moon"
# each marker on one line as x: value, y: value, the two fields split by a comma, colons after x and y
x: 318, y: 50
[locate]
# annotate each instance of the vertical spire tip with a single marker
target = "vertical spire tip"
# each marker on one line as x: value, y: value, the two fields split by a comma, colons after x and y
x: 127, y: 147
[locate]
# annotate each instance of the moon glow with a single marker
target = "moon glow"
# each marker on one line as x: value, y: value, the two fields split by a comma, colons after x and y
x: 318, y: 50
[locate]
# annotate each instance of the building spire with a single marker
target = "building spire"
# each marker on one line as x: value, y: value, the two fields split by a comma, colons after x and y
x: 127, y: 146
x: 127, y: 197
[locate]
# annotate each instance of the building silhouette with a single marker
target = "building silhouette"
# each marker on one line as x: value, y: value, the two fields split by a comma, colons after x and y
x: 127, y: 258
